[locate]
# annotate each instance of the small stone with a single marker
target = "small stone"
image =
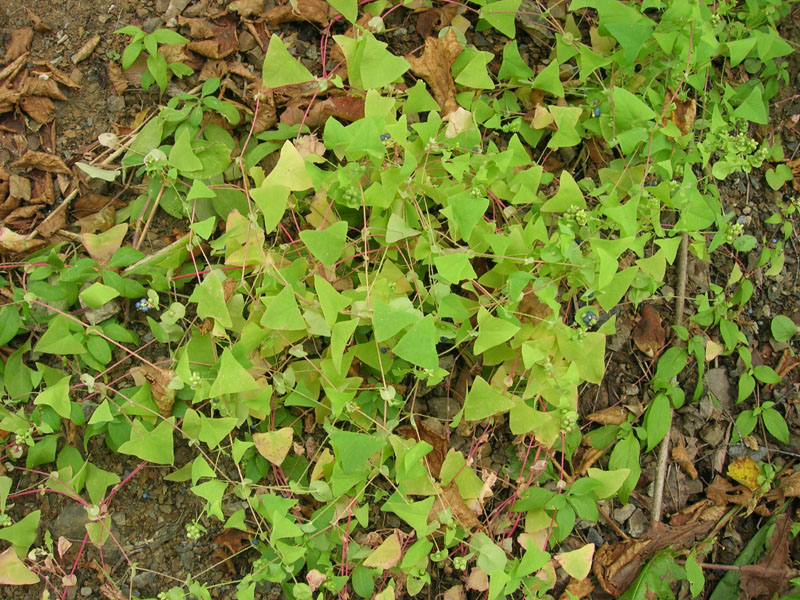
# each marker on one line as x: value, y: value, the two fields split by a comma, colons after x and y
x: 151, y: 24
x: 161, y: 6
x: 594, y: 537
x: 86, y: 591
x: 624, y: 513
x: 712, y: 434
x: 115, y: 103
x: 637, y: 524
x: 246, y: 42
x: 165, y: 508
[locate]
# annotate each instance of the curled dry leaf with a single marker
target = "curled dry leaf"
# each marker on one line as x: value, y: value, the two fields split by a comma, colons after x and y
x: 450, y: 499
x: 478, y: 580
x: 20, y: 41
x: 116, y: 77
x: 744, y: 470
x: 577, y: 589
x: 345, y: 108
x: 43, y: 161
x: 427, y: 431
x: 684, y: 113
x: 455, y: 593
x: 648, y: 334
x: 223, y: 42
x: 11, y: 241
x: 315, y: 11
x: 434, y: 67
x: 159, y: 380
x: 38, y: 86
x: 681, y: 456
x: 246, y: 9
x: 315, y: 578
x: 613, y: 415
x: 86, y: 50
x: 39, y: 108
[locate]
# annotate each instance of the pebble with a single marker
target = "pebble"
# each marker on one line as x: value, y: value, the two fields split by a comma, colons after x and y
x: 86, y: 591
x: 151, y: 24
x: 624, y: 513
x: 594, y: 537
x: 637, y: 524
x: 115, y: 103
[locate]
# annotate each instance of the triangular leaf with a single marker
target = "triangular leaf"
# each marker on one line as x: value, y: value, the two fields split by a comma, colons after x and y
x: 232, y: 377
x: 328, y: 244
x: 282, y: 313
x: 418, y: 345
x: 153, y: 446
x: 577, y: 563
x: 274, y: 445
x: 281, y: 68
x: 484, y: 401
x: 13, y: 571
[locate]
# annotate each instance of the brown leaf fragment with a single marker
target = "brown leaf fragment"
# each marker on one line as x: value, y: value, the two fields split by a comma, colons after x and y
x: 246, y: 8
x: 772, y: 574
x: 56, y: 221
x: 315, y: 11
x: 45, y: 68
x: 11, y: 241
x: 86, y: 50
x: 648, y: 334
x: 451, y: 499
x: 19, y: 44
x: 428, y: 431
x: 10, y: 71
x: 159, y: 380
x: 434, y: 67
x: 19, y: 187
x: 38, y: 25
x: 100, y: 221
x: 613, y: 415
x: 577, y: 588
x: 43, y: 161
x: 39, y: 108
x: 681, y: 456
x: 345, y: 108
x: 116, y: 77
x: 18, y: 217
x: 199, y: 29
x: 223, y: 42
x: 41, y: 86
x: 684, y: 113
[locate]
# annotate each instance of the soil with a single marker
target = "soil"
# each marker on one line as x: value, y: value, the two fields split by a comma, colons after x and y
x: 149, y: 513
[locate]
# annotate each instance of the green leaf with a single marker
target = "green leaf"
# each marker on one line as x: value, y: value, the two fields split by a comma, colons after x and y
x: 775, y: 424
x: 353, y: 450
x: 577, y: 563
x: 549, y: 80
x: 501, y: 15
x: 282, y: 313
x: 212, y: 492
x: 655, y: 579
x: 777, y: 177
x: 629, y: 109
x: 22, y: 534
x: 213, y: 431
x: 398, y: 229
x: 513, y: 66
x: 290, y: 171
x: 483, y: 401
x: 9, y: 323
x: 57, y: 397
x: 418, y: 345
x: 694, y: 573
x: 470, y: 69
x: 232, y: 377
x: 13, y: 571
x: 58, y: 339
x: 753, y: 108
x: 390, y: 319
x: 454, y: 267
x: 272, y: 199
x: 153, y: 446
x: 568, y: 195
x: 413, y: 513
x: 747, y: 384
x: 626, y: 455
x: 657, y: 420
x: 181, y: 156
x: 419, y: 99
x: 783, y: 328
x: 370, y: 66
x: 97, y: 295
x: 274, y: 445
x: 567, y: 128
x: 766, y: 374
x: 210, y: 299
x: 97, y: 172
x: 609, y: 481
x: 168, y: 37
x: 331, y: 301
x: 347, y: 8
x: 492, y: 331
x: 98, y: 481
x: 280, y: 68
x: 328, y: 244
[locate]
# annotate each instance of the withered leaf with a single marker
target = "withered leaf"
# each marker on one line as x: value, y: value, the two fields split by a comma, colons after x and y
x: 434, y: 67
x: 772, y: 574
x: 37, y: 86
x: 199, y: 29
x: 223, y: 42
x: 684, y: 113
x: 19, y: 187
x: 427, y: 431
x: 159, y: 380
x: 43, y: 191
x: 315, y: 11
x: 99, y: 221
x: 38, y: 25
x: 613, y: 415
x: 86, y: 50
x: 648, y: 334
x: 117, y: 78
x: 11, y: 241
x: 55, y: 221
x: 40, y: 108
x: 681, y: 456
x: 43, y: 161
x: 20, y: 41
x: 345, y: 108
x: 246, y: 8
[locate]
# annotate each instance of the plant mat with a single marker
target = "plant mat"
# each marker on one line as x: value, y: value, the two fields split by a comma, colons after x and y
x: 494, y: 459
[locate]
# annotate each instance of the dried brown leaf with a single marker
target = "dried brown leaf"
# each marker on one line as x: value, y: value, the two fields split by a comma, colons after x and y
x: 39, y: 108
x: 772, y: 574
x: 45, y: 68
x: 37, y: 86
x: 54, y: 222
x: 346, y: 108
x: 116, y: 77
x: 613, y: 415
x: 455, y: 593
x: 478, y: 580
x: 159, y: 380
x: 427, y: 431
x: 684, y: 114
x: 43, y: 191
x: 223, y: 42
x: 648, y: 334
x: 20, y: 41
x: 315, y: 11
x: 11, y: 241
x: 43, y: 161
x: 681, y: 456
x: 86, y: 50
x: 199, y: 29
x: 577, y: 588
x: 100, y: 221
x: 451, y: 499
x: 246, y: 8
x: 434, y: 67
x: 38, y: 25
x: 588, y: 459
x: 19, y: 187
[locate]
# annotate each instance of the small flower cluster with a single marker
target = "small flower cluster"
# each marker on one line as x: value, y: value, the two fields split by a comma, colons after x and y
x: 569, y: 420
x: 577, y: 214
x: 144, y: 304
x: 734, y: 231
x: 5, y: 520
x: 590, y: 319
x: 194, y: 531
x: 195, y: 380
x: 512, y: 126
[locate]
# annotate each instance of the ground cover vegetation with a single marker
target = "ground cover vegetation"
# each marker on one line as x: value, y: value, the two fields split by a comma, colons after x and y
x: 445, y: 222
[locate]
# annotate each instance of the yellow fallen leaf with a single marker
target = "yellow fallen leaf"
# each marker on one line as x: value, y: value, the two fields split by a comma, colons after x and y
x: 274, y: 445
x: 744, y: 470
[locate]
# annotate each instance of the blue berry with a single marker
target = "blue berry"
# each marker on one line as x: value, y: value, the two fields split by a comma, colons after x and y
x: 774, y: 240
x: 442, y: 339
x: 144, y: 495
x: 475, y: 149
x: 384, y: 350
x: 386, y: 136
x: 596, y: 112
x: 590, y: 319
